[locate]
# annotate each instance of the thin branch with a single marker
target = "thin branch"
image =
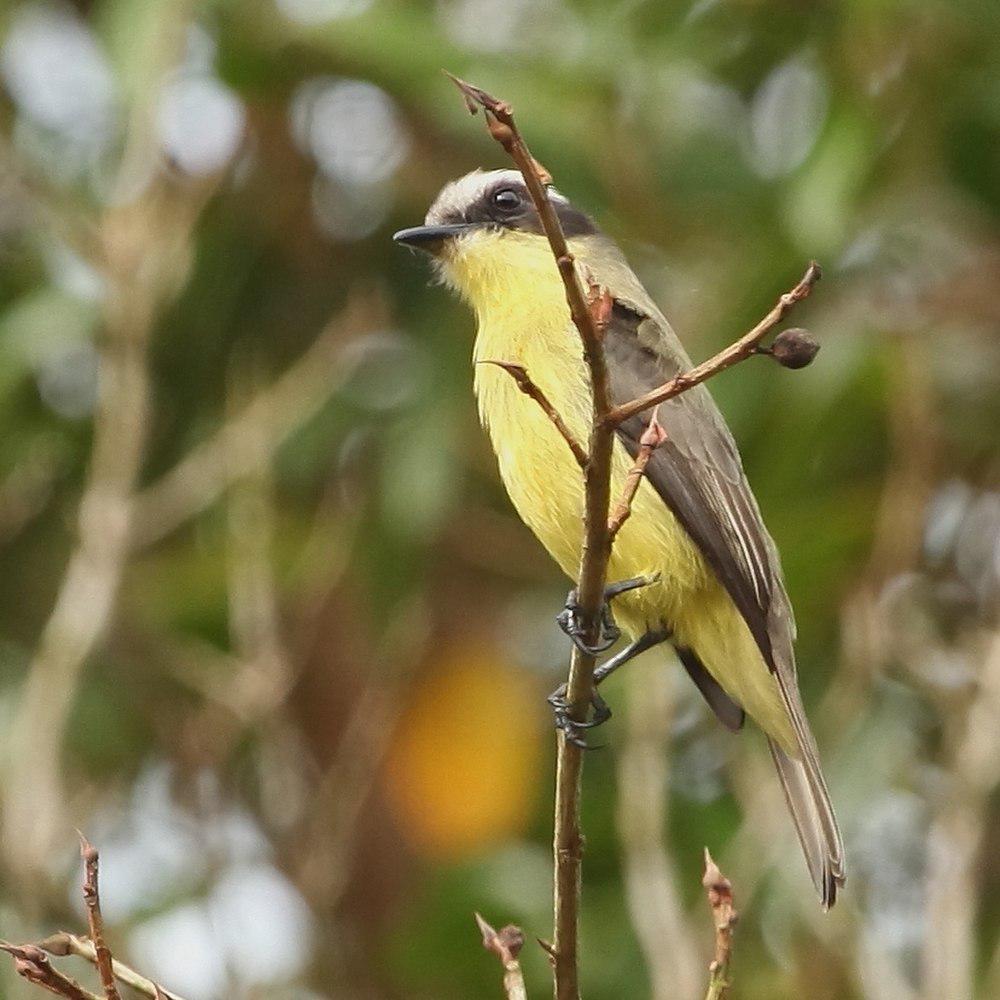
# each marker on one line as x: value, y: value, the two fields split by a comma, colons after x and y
x: 720, y: 898
x: 31, y: 963
x: 95, y: 920
x: 277, y: 411
x: 590, y: 311
x: 524, y: 382
x: 506, y: 944
x: 742, y: 349
x: 960, y: 829
x: 64, y: 943
x: 652, y: 437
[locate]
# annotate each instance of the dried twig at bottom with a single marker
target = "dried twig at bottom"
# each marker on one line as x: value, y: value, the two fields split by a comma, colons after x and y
x: 506, y: 944
x: 720, y: 898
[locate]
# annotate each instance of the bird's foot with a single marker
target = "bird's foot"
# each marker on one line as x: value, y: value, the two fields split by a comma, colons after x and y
x: 571, y: 729
x: 570, y: 618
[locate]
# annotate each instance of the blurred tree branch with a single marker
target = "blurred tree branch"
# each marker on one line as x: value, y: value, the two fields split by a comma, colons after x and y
x: 959, y: 830
x: 278, y: 410
x: 140, y: 242
x: 644, y: 783
x: 145, y: 250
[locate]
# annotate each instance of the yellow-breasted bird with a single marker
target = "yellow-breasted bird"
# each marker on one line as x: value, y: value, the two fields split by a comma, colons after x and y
x: 713, y: 588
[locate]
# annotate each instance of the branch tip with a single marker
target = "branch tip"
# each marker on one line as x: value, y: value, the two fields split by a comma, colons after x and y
x: 506, y: 943
x: 476, y: 98
x: 719, y: 891
x: 747, y: 346
x: 88, y: 852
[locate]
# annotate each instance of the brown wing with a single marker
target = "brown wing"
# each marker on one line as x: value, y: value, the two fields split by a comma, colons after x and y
x: 698, y: 474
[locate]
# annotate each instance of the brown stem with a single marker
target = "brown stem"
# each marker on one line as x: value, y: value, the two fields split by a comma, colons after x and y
x: 524, y: 382
x: 589, y: 311
x: 65, y: 943
x: 742, y: 349
x: 95, y: 920
x: 506, y: 944
x: 652, y: 437
x: 32, y: 964
x: 720, y: 898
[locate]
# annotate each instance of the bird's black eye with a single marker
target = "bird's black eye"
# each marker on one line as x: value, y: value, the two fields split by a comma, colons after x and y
x: 506, y: 199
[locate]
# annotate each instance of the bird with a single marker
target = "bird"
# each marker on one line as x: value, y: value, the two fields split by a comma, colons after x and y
x: 702, y: 572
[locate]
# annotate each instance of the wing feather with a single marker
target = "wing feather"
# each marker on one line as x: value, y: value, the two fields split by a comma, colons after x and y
x: 698, y: 474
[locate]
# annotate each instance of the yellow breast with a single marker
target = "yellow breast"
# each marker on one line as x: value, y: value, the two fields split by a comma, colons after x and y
x: 523, y: 318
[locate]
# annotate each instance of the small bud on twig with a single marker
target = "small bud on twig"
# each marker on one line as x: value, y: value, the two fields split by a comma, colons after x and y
x: 794, y: 348
x: 719, y: 891
x: 506, y: 944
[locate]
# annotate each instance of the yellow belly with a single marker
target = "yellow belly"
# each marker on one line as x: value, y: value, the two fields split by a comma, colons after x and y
x: 545, y: 486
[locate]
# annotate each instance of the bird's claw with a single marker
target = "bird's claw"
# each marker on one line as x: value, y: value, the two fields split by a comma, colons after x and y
x: 569, y: 619
x: 570, y: 727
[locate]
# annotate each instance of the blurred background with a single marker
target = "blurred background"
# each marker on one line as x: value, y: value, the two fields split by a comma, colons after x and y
x: 271, y: 634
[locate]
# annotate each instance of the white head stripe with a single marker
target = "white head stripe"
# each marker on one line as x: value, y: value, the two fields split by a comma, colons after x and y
x: 460, y: 195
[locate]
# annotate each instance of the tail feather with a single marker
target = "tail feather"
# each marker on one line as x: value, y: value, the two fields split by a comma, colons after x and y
x: 809, y: 803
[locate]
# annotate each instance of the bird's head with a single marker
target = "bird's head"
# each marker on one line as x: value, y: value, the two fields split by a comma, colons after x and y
x: 484, y: 224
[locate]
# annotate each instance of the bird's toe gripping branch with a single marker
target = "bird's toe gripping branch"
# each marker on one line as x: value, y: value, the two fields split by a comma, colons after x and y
x: 571, y: 621
x: 565, y: 722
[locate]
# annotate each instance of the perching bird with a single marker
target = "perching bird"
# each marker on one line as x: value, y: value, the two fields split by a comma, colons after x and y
x: 695, y: 530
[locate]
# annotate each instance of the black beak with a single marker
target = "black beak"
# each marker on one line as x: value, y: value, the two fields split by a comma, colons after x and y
x: 429, y: 238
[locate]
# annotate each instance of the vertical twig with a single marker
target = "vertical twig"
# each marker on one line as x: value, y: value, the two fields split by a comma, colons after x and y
x: 92, y: 901
x: 720, y: 898
x: 589, y: 311
x: 506, y: 944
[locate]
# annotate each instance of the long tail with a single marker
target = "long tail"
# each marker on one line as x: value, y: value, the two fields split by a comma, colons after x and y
x: 809, y: 803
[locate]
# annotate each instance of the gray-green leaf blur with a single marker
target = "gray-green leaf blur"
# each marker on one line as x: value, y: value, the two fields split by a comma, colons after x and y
x: 271, y: 634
